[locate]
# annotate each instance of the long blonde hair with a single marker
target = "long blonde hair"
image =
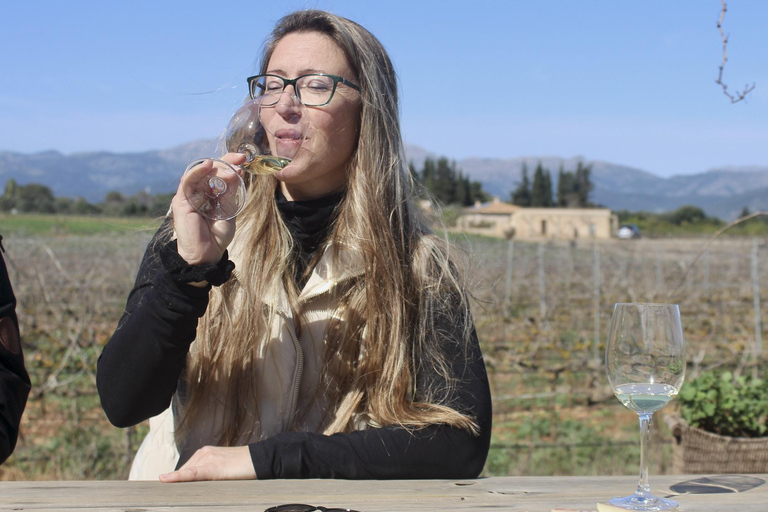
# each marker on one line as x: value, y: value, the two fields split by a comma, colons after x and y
x: 385, y: 331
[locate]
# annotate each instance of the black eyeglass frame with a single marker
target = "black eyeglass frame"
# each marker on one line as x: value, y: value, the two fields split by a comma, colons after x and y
x: 293, y: 81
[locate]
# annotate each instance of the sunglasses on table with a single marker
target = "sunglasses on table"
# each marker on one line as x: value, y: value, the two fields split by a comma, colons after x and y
x: 296, y: 507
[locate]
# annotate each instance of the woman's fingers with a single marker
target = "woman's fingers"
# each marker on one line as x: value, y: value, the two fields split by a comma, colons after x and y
x: 206, y: 187
x: 234, y: 158
x: 215, y: 463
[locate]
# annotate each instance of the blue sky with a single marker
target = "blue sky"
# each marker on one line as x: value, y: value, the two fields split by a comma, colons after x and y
x: 627, y: 82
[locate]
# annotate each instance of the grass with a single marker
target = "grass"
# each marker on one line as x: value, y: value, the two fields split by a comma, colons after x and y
x: 42, y: 224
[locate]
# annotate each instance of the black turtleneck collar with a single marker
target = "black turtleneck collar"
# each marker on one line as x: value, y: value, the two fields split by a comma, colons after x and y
x: 309, y: 223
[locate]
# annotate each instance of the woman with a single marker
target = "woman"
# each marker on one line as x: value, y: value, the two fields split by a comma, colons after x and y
x: 343, y: 346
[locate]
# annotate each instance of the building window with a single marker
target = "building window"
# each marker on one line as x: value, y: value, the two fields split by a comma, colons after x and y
x: 544, y: 228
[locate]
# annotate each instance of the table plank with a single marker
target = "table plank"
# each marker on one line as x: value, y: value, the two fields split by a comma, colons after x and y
x: 511, y: 494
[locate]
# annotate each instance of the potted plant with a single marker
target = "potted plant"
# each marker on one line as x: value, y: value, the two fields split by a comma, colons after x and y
x: 722, y: 425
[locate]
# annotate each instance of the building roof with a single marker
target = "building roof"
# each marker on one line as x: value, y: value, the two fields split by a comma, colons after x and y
x: 494, y: 207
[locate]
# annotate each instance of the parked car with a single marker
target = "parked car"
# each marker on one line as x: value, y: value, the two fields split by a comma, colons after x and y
x: 627, y: 231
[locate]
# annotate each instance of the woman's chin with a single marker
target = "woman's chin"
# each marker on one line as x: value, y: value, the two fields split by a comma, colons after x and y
x: 289, y: 173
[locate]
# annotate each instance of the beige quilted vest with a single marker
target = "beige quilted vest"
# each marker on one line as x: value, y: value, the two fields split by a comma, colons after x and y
x: 290, y: 369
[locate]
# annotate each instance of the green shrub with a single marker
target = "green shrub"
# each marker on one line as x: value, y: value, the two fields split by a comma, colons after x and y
x: 722, y: 404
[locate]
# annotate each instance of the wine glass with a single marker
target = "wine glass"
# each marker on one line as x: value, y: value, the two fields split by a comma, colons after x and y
x: 645, y: 362
x: 215, y: 188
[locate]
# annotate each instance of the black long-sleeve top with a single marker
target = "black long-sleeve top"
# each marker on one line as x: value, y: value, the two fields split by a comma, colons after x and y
x: 14, y: 380
x: 139, y: 369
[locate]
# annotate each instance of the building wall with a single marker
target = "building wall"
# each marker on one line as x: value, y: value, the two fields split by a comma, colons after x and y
x: 485, y: 223
x: 563, y: 223
x: 543, y: 223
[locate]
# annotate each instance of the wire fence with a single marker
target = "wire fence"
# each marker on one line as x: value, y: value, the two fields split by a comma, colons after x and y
x: 542, y: 313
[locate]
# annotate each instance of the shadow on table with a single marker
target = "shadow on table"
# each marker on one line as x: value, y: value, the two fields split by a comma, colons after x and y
x: 719, y: 484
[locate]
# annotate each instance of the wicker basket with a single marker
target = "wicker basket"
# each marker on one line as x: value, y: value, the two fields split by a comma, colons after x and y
x: 697, y: 451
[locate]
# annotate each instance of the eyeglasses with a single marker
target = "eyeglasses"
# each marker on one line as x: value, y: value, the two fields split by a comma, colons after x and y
x: 313, y: 90
x: 295, y: 507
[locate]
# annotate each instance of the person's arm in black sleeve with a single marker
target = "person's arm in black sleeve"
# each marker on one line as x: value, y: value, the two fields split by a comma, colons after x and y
x: 438, y: 451
x: 139, y: 368
x: 14, y: 380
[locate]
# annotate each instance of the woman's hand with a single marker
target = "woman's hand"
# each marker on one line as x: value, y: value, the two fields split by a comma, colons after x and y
x: 215, y: 463
x: 201, y: 240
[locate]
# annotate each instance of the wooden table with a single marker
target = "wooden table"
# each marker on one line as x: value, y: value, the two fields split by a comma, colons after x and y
x: 509, y: 494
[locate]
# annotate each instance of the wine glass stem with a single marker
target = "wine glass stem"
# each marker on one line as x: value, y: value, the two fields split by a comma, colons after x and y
x: 643, y: 488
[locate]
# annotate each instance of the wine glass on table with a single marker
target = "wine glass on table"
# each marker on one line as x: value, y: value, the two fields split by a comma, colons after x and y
x: 645, y: 362
x: 215, y: 188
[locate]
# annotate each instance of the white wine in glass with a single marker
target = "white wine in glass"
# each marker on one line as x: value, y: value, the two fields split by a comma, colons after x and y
x: 247, y: 134
x: 214, y: 187
x: 645, y: 363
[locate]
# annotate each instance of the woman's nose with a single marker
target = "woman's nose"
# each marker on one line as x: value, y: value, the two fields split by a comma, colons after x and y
x: 288, y: 106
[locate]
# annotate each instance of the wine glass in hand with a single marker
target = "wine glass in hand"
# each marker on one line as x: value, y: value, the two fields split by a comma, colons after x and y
x: 645, y: 362
x: 215, y: 188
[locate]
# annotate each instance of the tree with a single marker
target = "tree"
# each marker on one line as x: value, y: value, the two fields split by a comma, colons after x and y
x: 548, y: 189
x: 583, y: 184
x: 160, y: 204
x: 8, y: 199
x: 462, y: 191
x: 476, y: 193
x: 566, y: 197
x: 428, y: 174
x: 445, y: 181
x: 83, y: 207
x: 35, y: 198
x: 11, y: 189
x: 114, y: 203
x: 521, y: 196
x: 541, y: 191
x: 687, y: 214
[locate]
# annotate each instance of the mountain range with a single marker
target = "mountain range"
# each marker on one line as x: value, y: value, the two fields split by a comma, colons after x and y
x: 720, y: 192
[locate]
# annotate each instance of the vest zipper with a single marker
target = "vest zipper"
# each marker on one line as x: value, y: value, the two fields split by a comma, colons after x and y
x: 299, y: 364
x: 297, y: 344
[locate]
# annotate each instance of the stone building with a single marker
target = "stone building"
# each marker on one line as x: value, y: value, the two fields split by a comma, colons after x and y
x: 501, y: 220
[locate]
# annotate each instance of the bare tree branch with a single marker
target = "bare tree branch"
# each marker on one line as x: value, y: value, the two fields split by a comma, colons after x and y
x: 735, y: 98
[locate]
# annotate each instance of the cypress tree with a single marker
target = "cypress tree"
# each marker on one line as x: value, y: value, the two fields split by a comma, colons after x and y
x: 476, y: 192
x: 582, y: 184
x: 445, y: 181
x: 548, y: 201
x: 428, y: 175
x: 566, y: 197
x: 541, y: 191
x: 521, y: 196
x: 462, y: 190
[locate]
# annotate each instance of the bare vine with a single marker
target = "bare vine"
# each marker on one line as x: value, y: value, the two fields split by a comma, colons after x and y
x: 735, y: 98
x: 707, y: 246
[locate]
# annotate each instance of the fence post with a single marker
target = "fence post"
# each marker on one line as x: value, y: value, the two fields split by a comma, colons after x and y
x: 659, y: 273
x: 569, y: 273
x: 508, y: 289
x: 542, y: 284
x: 596, y: 278
x: 623, y: 283
x: 706, y: 273
x: 756, y: 298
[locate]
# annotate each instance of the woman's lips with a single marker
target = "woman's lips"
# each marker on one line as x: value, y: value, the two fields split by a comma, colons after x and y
x: 287, y: 134
x: 288, y: 142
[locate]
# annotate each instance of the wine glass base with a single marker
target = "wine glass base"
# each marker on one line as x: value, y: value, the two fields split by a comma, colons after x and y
x: 644, y: 502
